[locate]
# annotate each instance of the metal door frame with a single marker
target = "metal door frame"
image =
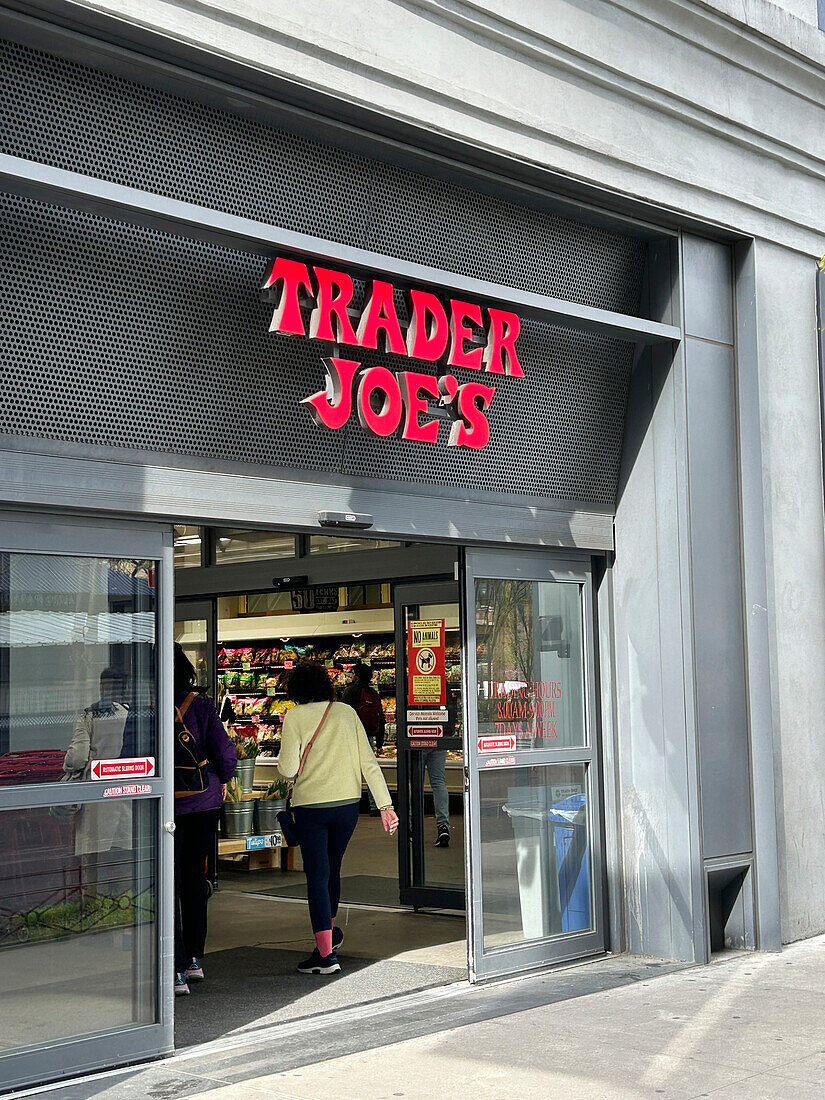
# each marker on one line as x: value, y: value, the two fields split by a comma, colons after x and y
x: 57, y: 536
x: 430, y: 897
x: 529, y: 565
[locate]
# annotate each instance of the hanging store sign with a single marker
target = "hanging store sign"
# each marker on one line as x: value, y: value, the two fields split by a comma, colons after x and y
x: 452, y: 335
x: 426, y: 667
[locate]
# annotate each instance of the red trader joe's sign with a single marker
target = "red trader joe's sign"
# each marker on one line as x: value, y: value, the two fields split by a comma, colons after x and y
x: 450, y: 334
x: 427, y: 678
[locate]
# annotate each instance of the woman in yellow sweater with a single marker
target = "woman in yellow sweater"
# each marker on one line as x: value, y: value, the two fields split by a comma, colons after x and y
x: 325, y: 797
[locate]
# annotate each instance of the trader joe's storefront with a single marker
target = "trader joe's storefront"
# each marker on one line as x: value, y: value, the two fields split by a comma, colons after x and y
x: 315, y: 359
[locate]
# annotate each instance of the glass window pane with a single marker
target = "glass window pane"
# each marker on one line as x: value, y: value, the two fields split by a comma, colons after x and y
x: 530, y: 649
x: 77, y: 664
x: 191, y: 633
x: 331, y: 544
x: 187, y: 547
x: 535, y: 853
x: 78, y: 903
x: 235, y: 544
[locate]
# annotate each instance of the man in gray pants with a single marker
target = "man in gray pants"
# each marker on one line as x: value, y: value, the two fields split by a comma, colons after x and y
x: 435, y: 761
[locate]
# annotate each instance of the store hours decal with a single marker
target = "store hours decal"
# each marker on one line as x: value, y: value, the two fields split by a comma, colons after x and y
x: 451, y: 334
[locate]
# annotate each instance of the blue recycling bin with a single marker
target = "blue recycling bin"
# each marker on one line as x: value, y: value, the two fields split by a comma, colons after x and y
x: 551, y: 860
x: 572, y: 862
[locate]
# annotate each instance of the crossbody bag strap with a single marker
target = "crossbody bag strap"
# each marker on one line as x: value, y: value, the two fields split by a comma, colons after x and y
x: 312, y: 741
x: 184, y: 707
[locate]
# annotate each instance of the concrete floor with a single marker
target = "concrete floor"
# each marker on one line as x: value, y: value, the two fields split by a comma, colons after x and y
x: 256, y: 940
x: 750, y: 1027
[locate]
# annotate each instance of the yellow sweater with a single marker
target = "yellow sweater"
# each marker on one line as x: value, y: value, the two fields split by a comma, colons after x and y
x: 340, y: 756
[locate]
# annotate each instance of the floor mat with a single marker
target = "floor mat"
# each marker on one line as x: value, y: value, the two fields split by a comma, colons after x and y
x: 355, y: 890
x: 251, y: 987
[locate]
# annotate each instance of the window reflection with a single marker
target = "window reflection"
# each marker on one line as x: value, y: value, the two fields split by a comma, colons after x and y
x: 64, y: 622
x: 530, y: 663
x: 535, y: 853
x: 235, y: 544
x: 187, y: 546
x: 78, y: 898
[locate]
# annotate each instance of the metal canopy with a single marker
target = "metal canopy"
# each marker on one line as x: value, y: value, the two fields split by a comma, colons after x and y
x: 111, y: 200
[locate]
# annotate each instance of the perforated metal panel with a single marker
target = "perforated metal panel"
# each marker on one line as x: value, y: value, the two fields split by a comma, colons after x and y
x: 123, y: 336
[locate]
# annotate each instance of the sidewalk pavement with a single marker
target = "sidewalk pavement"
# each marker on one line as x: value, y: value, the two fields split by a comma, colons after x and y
x: 750, y: 1026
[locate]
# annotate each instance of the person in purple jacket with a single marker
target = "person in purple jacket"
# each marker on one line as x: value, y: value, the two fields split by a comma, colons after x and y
x: 196, y: 824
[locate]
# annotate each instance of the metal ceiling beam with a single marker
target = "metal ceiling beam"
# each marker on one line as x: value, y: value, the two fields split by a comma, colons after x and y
x: 111, y: 200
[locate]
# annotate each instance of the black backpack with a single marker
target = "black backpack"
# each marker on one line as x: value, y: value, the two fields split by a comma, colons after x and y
x: 191, y: 775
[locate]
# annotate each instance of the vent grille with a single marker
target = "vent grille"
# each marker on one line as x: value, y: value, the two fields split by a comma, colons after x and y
x: 127, y: 337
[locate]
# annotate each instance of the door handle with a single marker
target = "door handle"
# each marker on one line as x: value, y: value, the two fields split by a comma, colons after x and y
x: 169, y: 827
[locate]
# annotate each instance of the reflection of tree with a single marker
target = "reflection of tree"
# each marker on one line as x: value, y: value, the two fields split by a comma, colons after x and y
x: 505, y: 609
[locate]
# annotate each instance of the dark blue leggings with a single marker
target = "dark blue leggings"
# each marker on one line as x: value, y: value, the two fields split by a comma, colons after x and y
x: 324, y: 834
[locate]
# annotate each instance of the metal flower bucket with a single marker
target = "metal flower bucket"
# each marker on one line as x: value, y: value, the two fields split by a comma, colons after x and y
x: 245, y: 772
x: 267, y: 814
x: 237, y: 818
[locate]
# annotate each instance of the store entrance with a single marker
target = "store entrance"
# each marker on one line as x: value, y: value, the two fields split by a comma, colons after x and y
x: 430, y: 745
x: 345, y: 603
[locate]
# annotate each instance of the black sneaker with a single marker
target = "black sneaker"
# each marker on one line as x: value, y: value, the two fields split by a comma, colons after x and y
x: 319, y: 964
x: 337, y: 937
x: 442, y: 839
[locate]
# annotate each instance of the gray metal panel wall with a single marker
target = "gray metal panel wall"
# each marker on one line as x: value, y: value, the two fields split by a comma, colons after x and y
x: 715, y: 550
x: 173, y: 332
x: 653, y: 741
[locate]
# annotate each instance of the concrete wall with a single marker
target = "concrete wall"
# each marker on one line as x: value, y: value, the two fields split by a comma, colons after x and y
x: 711, y: 109
x: 796, y: 576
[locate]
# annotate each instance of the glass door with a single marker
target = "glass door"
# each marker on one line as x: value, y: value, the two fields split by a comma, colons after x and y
x: 535, y: 866
x: 430, y: 744
x: 86, y: 871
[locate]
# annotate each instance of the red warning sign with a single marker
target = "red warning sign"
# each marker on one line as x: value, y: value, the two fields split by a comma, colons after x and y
x: 425, y: 731
x: 496, y: 744
x: 427, y: 679
x: 132, y: 767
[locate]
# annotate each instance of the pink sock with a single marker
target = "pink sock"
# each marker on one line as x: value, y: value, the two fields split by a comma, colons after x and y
x: 324, y: 942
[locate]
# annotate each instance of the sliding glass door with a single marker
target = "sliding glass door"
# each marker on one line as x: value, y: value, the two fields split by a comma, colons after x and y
x: 84, y: 795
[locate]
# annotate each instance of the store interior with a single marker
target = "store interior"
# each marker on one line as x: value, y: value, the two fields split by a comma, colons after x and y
x: 289, y: 598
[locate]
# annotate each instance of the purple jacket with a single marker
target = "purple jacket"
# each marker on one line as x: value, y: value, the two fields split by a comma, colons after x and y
x: 202, y: 721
